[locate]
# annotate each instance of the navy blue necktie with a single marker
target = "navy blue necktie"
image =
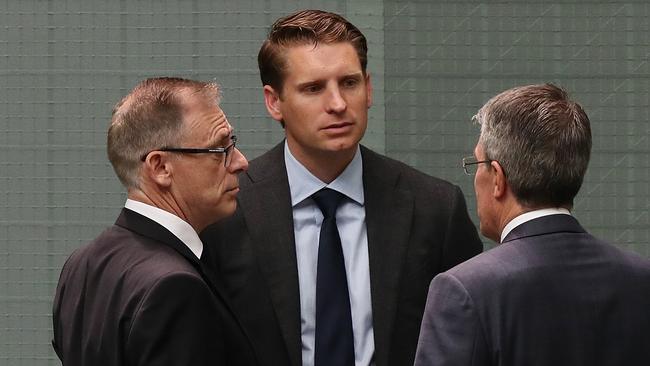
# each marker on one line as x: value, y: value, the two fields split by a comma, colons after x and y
x: 334, y: 337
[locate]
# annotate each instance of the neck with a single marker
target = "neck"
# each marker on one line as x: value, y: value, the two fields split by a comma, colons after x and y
x: 516, y: 209
x: 325, y: 166
x: 507, y: 216
x: 505, y: 209
x: 162, y: 202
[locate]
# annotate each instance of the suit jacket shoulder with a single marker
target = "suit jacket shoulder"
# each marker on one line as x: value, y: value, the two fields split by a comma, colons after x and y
x: 135, y: 295
x: 550, y: 241
x: 549, y: 294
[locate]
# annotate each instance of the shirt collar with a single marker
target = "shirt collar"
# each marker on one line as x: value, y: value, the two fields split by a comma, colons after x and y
x: 302, y: 183
x: 527, y: 216
x: 177, y: 226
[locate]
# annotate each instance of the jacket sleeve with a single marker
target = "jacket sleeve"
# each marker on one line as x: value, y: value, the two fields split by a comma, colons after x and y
x: 461, y: 240
x: 451, y: 332
x: 177, y: 323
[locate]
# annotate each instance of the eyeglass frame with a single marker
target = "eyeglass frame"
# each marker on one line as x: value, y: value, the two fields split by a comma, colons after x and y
x: 466, y: 163
x: 197, y: 150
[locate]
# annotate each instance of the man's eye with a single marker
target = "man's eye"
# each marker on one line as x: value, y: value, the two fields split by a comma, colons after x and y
x: 312, y: 88
x: 350, y: 83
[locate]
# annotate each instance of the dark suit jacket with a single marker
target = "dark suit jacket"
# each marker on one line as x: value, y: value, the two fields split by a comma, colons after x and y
x: 551, y: 294
x: 138, y: 296
x: 417, y: 227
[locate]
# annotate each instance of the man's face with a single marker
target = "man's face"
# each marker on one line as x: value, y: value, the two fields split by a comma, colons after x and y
x: 324, y: 101
x: 204, y: 187
x: 483, y: 185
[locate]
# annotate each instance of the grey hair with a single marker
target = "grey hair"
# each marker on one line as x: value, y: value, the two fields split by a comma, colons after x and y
x: 541, y: 138
x: 148, y: 118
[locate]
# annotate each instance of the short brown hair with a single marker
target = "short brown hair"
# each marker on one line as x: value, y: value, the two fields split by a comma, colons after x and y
x: 148, y: 118
x: 541, y: 138
x: 305, y: 27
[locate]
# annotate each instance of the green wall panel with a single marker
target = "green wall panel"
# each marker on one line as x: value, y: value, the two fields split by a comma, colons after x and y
x: 63, y: 65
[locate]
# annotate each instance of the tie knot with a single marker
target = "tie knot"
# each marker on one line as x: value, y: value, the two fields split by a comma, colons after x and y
x: 327, y: 200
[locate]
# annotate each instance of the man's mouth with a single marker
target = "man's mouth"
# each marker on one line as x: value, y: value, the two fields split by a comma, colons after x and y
x: 337, y: 126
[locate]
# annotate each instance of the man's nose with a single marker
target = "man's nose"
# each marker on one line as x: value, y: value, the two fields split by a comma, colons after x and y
x: 335, y: 102
x: 239, y: 162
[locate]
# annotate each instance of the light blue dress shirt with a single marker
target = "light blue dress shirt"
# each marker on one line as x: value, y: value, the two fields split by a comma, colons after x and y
x: 351, y: 222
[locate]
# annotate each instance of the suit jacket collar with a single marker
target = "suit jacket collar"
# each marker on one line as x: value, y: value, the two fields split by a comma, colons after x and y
x: 389, y: 210
x: 545, y: 225
x: 144, y: 226
x: 177, y: 226
x: 269, y: 166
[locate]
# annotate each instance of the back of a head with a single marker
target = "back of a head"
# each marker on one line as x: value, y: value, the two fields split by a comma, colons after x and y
x: 542, y: 139
x: 305, y: 27
x: 148, y: 118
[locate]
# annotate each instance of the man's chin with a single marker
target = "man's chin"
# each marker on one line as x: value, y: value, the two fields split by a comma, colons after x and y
x: 226, y: 207
x: 342, y: 146
x: 230, y: 209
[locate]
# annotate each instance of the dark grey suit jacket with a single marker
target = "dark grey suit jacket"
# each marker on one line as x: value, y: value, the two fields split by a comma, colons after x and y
x: 417, y: 227
x: 551, y: 294
x: 138, y: 296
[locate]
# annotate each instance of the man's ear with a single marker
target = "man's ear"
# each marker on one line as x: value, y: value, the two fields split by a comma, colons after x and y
x: 157, y: 168
x: 499, y: 183
x: 272, y: 102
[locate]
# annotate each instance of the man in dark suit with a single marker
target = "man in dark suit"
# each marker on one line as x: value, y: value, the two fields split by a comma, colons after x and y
x: 139, y: 294
x: 355, y: 295
x: 550, y: 293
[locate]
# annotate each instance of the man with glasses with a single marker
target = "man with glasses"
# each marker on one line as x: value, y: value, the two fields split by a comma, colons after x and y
x: 139, y: 293
x: 333, y: 243
x: 549, y: 293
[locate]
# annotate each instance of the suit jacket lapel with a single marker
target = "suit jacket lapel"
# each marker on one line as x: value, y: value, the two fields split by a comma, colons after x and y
x: 269, y: 218
x: 145, y: 226
x: 545, y: 225
x: 389, y: 212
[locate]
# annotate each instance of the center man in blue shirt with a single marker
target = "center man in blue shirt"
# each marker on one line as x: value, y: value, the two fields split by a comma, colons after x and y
x: 331, y: 251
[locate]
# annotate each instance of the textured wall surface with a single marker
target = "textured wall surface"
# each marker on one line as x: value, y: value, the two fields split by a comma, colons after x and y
x: 443, y: 60
x: 64, y: 64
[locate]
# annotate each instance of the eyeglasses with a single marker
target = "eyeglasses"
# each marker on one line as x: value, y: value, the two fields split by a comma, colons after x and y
x: 191, y: 150
x: 470, y: 164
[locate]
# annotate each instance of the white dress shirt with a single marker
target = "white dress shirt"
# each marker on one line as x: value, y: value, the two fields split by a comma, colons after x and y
x: 351, y: 223
x: 177, y: 226
x: 527, y: 216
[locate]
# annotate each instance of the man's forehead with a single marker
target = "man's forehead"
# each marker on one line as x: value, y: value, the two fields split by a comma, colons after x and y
x: 205, y: 117
x: 221, y: 130
x: 193, y: 100
x: 296, y: 55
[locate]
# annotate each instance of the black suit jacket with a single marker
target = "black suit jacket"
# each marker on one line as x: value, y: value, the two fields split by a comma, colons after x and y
x: 138, y: 296
x: 551, y: 294
x: 417, y: 227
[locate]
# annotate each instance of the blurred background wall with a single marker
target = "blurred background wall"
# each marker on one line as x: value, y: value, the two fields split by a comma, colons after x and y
x: 64, y: 64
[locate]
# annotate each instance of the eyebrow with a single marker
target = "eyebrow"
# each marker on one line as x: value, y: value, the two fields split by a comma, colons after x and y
x: 309, y: 83
x: 354, y: 74
x: 226, y: 141
x: 357, y: 75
